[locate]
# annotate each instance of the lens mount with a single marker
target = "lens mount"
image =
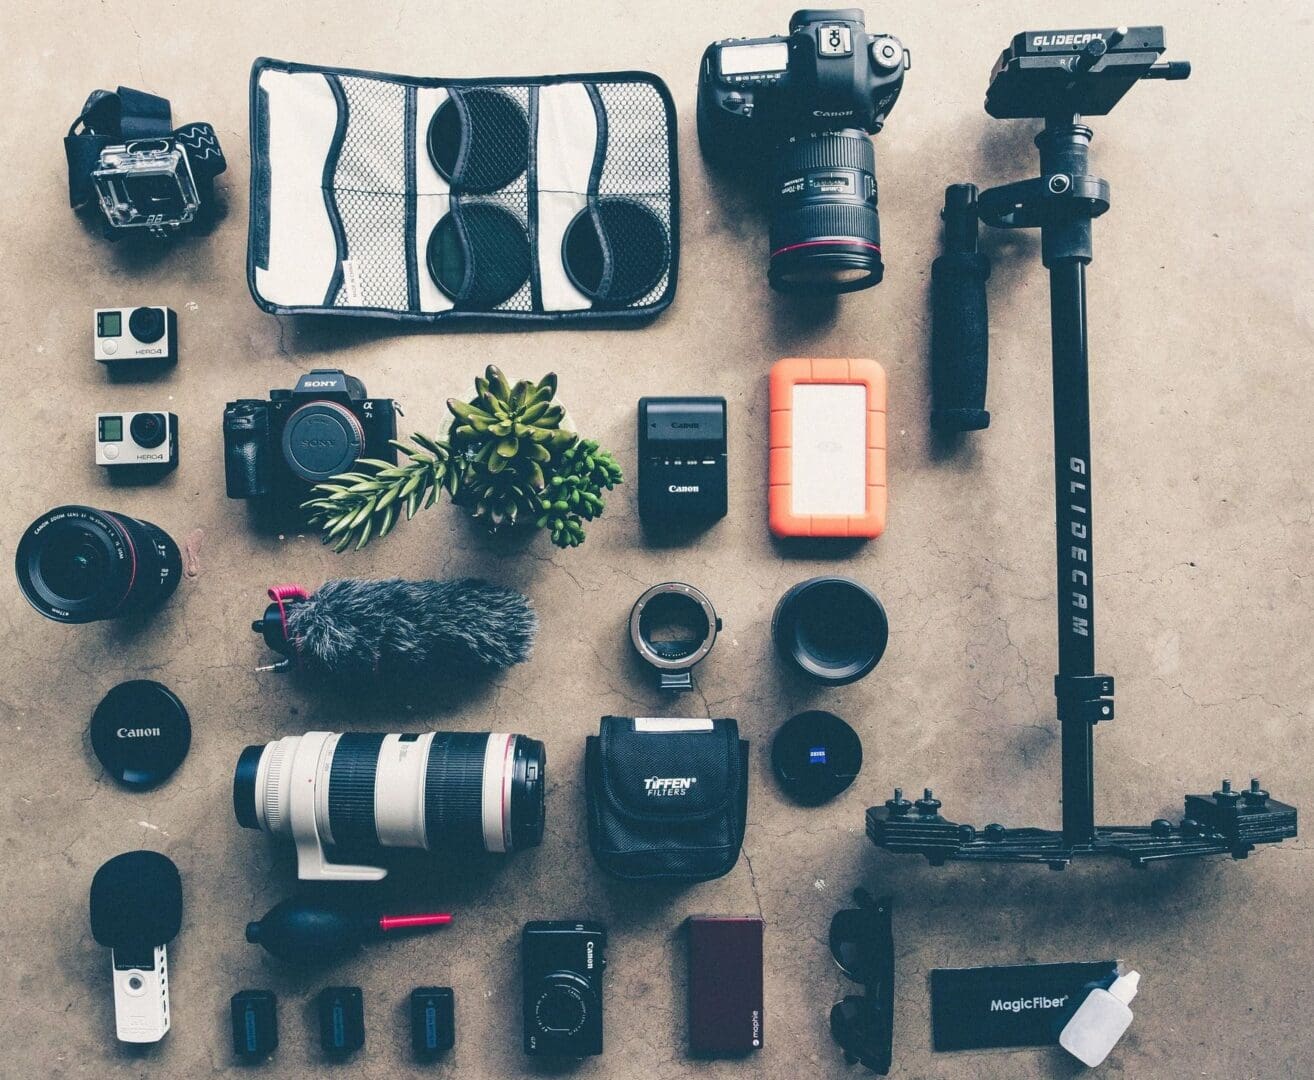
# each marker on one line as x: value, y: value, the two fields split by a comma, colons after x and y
x: 672, y: 627
x: 527, y: 789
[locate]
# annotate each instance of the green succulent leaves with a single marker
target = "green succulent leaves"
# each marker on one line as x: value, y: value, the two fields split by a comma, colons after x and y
x: 355, y: 507
x: 507, y: 459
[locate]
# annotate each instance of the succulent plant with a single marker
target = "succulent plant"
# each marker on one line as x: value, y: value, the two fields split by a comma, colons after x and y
x: 574, y: 494
x: 508, y: 459
x: 504, y: 443
x: 355, y: 507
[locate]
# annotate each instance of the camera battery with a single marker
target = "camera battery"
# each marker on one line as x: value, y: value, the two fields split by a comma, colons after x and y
x: 255, y: 1024
x: 682, y: 460
x: 433, y: 1021
x: 341, y: 1020
x: 725, y: 985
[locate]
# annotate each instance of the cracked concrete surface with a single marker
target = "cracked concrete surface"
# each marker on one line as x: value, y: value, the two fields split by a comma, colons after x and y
x: 1201, y: 380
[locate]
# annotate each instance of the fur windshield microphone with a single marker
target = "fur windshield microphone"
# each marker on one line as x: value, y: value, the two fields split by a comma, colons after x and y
x: 397, y: 630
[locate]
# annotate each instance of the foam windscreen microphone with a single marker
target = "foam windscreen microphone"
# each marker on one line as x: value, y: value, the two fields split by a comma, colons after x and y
x: 397, y: 631
x: 136, y: 910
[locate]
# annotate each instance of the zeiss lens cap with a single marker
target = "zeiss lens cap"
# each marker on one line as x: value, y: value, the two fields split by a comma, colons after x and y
x: 140, y: 733
x: 815, y: 756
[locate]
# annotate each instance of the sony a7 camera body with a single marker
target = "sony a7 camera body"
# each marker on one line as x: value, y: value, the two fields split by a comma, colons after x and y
x: 277, y: 450
x: 799, y: 109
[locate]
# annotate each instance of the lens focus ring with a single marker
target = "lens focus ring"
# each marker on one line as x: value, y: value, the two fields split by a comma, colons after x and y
x: 351, y: 789
x: 453, y: 791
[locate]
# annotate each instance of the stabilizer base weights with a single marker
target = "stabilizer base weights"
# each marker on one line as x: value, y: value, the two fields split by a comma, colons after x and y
x: 1224, y: 823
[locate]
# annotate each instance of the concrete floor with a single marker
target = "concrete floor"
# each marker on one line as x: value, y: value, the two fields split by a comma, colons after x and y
x: 1201, y: 345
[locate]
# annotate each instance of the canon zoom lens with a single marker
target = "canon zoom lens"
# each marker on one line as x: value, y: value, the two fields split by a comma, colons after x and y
x: 458, y: 792
x: 79, y: 565
x: 825, y: 230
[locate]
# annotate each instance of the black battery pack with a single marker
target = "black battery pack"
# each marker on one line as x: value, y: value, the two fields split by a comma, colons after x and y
x: 682, y: 460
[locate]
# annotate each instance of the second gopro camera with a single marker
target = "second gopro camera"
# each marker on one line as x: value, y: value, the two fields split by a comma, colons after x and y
x: 139, y: 444
x: 281, y: 448
x: 563, y: 964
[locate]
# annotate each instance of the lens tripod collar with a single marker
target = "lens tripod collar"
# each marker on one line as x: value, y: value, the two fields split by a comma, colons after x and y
x: 672, y: 627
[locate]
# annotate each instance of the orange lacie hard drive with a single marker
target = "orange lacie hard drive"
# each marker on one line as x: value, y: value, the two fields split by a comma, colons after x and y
x: 827, y: 474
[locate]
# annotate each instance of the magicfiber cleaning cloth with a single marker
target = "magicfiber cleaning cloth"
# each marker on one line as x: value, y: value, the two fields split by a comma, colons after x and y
x: 986, y: 1007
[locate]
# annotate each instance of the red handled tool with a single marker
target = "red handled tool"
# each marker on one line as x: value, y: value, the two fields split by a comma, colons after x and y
x: 300, y: 930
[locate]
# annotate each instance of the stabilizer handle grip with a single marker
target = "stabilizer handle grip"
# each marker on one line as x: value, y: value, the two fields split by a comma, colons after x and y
x: 959, y: 321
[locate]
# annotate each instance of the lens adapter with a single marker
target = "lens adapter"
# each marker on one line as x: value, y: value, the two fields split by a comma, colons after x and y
x: 825, y: 229
x: 672, y: 627
x: 79, y: 565
x: 830, y: 628
x: 459, y: 792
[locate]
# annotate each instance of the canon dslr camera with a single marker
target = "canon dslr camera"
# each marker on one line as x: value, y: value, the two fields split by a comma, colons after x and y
x: 800, y: 108
x: 279, y: 449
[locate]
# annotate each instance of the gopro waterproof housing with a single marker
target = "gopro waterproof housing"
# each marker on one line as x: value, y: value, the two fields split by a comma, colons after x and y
x: 147, y: 184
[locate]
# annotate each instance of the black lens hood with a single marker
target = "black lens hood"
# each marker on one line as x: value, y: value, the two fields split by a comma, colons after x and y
x: 832, y: 629
x: 244, y: 787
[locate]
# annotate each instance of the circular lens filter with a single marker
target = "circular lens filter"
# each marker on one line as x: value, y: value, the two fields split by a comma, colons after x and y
x: 479, y: 140
x: 635, y: 257
x: 478, y: 254
x: 140, y: 733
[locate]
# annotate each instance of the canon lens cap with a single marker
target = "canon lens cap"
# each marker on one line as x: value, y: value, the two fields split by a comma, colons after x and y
x: 140, y: 732
x: 815, y: 756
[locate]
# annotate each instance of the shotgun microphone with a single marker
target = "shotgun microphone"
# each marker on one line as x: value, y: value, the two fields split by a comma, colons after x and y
x: 136, y: 910
x: 382, y: 633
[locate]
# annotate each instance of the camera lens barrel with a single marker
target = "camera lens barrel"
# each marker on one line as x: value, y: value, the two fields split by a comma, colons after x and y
x: 825, y: 228
x: 76, y: 564
x: 438, y: 791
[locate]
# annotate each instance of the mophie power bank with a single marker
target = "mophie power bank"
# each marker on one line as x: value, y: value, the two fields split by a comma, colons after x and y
x: 725, y: 985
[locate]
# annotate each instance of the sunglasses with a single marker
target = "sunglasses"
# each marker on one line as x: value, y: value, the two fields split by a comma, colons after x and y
x: 862, y: 944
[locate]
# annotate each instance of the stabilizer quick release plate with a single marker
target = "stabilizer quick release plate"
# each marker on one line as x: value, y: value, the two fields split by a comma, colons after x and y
x: 1046, y: 73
